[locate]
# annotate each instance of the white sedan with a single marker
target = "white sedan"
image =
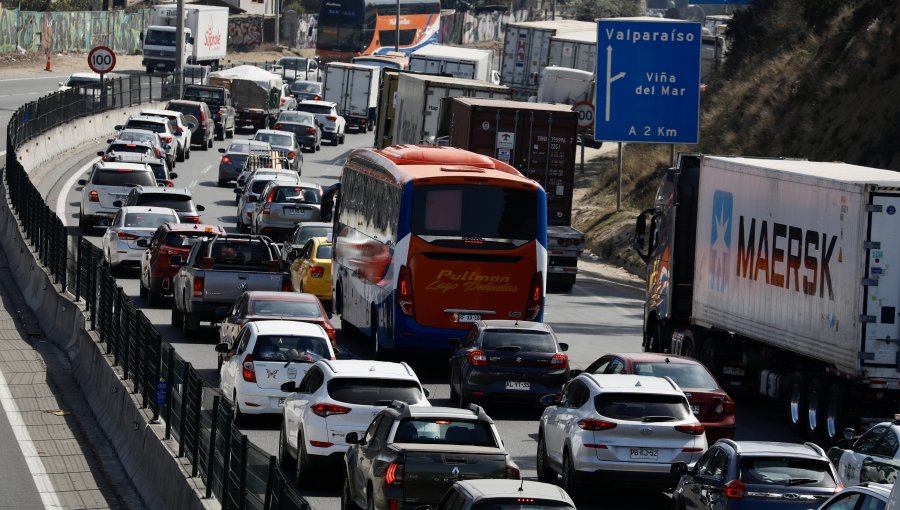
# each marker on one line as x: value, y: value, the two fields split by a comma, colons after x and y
x: 120, y: 242
x: 267, y: 354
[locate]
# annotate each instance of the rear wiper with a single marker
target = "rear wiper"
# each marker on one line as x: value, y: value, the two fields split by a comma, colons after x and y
x: 650, y: 419
x: 510, y: 348
x: 801, y: 481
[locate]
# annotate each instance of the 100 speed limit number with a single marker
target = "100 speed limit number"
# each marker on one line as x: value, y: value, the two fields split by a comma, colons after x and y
x: 101, y: 60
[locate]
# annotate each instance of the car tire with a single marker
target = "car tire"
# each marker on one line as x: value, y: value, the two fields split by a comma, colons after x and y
x: 347, y: 502
x: 209, y: 143
x: 318, y: 147
x: 180, y: 156
x: 220, y: 134
x: 305, y: 465
x: 571, y: 479
x: 798, y: 392
x: 177, y: 318
x: 370, y: 500
x: 189, y: 324
x: 203, y: 146
x: 142, y: 291
x: 238, y: 418
x: 817, y: 405
x: 545, y: 473
x: 222, y: 183
x: 187, y: 151
x: 285, y: 460
x: 343, y: 138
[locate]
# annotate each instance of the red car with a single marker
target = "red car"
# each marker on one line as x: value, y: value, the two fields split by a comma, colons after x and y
x: 269, y: 305
x: 709, y: 402
x: 168, y: 240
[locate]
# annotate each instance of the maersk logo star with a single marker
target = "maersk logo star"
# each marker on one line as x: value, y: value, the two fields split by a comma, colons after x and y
x: 720, y: 241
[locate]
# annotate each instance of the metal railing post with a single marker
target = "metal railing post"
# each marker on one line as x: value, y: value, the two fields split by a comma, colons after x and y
x: 170, y: 377
x: 210, y: 459
x: 184, y: 393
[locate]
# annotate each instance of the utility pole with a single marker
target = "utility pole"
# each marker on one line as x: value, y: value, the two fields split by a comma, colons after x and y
x: 278, y: 22
x: 397, y: 41
x: 178, y: 75
x: 553, y: 11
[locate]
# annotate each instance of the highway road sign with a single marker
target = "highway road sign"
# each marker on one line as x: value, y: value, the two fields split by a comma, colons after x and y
x: 585, y: 111
x: 648, y: 81
x: 101, y: 59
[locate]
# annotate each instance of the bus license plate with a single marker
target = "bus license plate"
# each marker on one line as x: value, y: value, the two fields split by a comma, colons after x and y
x: 518, y: 385
x: 468, y: 317
x: 644, y: 454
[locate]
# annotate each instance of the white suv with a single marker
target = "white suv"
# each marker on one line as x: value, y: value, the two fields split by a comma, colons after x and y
x: 267, y: 354
x: 334, y: 127
x: 337, y: 398
x: 109, y: 182
x: 619, y: 428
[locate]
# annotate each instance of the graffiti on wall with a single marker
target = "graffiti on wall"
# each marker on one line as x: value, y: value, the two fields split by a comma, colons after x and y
x: 71, y: 30
x: 299, y: 30
x: 467, y: 27
x: 244, y: 33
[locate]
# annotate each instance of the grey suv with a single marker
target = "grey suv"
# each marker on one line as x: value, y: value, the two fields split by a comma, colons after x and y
x: 108, y: 183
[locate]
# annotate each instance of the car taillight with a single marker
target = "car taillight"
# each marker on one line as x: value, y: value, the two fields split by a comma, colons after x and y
x: 278, y: 126
x: 126, y: 236
x: 393, y: 476
x: 513, y: 471
x: 477, y: 358
x: 316, y: 271
x: 286, y: 285
x: 535, y: 297
x: 735, y: 489
x: 310, y: 130
x: 226, y: 159
x: 595, y: 425
x: 317, y: 98
x: 198, y: 286
x: 331, y: 117
x: 559, y: 360
x: 167, y: 139
x: 168, y: 251
x: 93, y: 196
x: 158, y: 152
x: 267, y: 209
x: 202, y: 116
x: 292, y: 155
x: 694, y: 429
x: 191, y: 219
x: 405, y: 292
x: 282, y: 104
x: 170, y: 184
x: 325, y: 410
x: 248, y: 372
x: 331, y: 334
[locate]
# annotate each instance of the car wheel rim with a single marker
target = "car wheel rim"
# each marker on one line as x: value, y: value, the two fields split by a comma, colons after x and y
x: 795, y: 404
x: 812, y: 414
x: 831, y: 419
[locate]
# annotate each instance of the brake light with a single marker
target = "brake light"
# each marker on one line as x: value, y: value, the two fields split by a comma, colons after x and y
x: 168, y: 251
x: 248, y: 372
x: 513, y: 471
x: 393, y: 476
x: 282, y: 104
x: 202, y: 116
x: 158, y: 152
x: 725, y: 408
x: 477, y: 358
x: 126, y: 236
x: 226, y: 159
x: 331, y: 117
x: 166, y: 138
x: 191, y: 219
x: 316, y: 271
x: 595, y: 425
x: 694, y: 429
x: 735, y: 489
x: 267, y: 209
x: 278, y: 126
x: 535, y: 297
x: 292, y: 155
x: 93, y: 196
x: 317, y: 98
x: 405, y: 292
x: 310, y: 130
x: 198, y: 286
x: 287, y: 286
x: 325, y: 410
x: 170, y: 184
x: 331, y: 334
x: 559, y: 360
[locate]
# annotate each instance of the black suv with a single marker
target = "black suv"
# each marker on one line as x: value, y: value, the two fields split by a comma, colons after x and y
x: 179, y: 199
x: 205, y: 130
x: 751, y: 474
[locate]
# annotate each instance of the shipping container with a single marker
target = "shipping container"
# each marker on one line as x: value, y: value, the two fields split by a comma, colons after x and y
x: 387, y: 108
x: 419, y: 103
x: 526, y: 51
x: 354, y: 88
x: 470, y: 63
x: 575, y: 50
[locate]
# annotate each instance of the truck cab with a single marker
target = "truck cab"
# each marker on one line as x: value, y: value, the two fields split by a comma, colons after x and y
x: 159, y: 48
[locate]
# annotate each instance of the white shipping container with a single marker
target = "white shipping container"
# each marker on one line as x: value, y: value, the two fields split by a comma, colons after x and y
x: 470, y: 63
x: 207, y: 24
x: 785, y: 255
x: 526, y: 50
x: 419, y: 102
x: 354, y: 87
x: 575, y: 50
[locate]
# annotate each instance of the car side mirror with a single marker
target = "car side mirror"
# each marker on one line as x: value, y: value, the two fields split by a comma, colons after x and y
x: 143, y: 243
x: 353, y: 438
x: 60, y: 83
x: 176, y: 260
x: 82, y: 182
x: 222, y: 150
x: 575, y: 372
x: 101, y: 153
x: 223, y: 347
x: 173, y: 175
x: 289, y: 387
x: 563, y: 346
x: 550, y: 400
x: 201, y: 208
x: 117, y: 203
x: 849, y: 433
x: 118, y: 127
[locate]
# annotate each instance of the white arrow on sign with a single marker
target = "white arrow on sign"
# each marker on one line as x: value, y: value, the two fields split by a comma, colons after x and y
x: 609, y: 78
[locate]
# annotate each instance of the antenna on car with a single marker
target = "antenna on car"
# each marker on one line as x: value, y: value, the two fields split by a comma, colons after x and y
x: 522, y: 484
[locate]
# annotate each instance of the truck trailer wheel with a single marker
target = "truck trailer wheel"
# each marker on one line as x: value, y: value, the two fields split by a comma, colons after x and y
x: 817, y: 405
x: 836, y: 419
x: 798, y: 405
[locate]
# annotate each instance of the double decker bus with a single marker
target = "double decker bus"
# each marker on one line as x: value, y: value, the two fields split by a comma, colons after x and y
x: 348, y: 28
x: 431, y: 239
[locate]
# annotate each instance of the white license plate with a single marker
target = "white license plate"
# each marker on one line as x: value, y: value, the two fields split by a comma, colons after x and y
x: 281, y: 402
x: 518, y: 385
x: 738, y: 371
x: 468, y: 317
x: 695, y: 409
x: 644, y: 454
x: 296, y: 212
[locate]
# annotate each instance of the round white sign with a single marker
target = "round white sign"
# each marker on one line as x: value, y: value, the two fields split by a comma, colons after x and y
x: 585, y: 113
x: 101, y: 60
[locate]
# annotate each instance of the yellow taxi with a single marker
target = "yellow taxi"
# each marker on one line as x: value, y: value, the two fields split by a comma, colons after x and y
x: 311, y: 270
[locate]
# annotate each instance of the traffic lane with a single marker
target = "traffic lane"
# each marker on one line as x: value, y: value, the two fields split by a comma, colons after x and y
x: 16, y: 482
x: 14, y: 92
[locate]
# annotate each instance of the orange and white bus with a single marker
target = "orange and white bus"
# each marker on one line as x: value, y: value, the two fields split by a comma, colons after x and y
x: 347, y: 28
x: 429, y: 239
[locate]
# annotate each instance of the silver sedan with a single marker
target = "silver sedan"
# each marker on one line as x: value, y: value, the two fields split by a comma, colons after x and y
x: 120, y: 242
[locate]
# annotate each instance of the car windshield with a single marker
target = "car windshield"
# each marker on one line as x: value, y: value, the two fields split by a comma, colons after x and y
x: 239, y: 147
x: 685, y: 375
x: 305, y: 86
x: 315, y: 108
x: 642, y: 407
x: 284, y: 308
x: 130, y: 147
x: 182, y: 239
x: 274, y: 139
x: 138, y: 137
x: 298, y: 117
x: 293, y: 63
x: 156, y: 127
x: 75, y: 81
x: 148, y: 219
x: 445, y: 431
x: 123, y: 177
x: 257, y: 186
x: 307, y: 233
x: 324, y: 252
x: 786, y: 471
x: 373, y: 391
x: 159, y: 171
x: 213, y: 97
x: 228, y: 253
x: 186, y: 109
x: 160, y: 38
x: 523, y: 503
x: 290, y: 348
x: 297, y: 194
x: 524, y: 341
x: 180, y: 203
x: 195, y: 72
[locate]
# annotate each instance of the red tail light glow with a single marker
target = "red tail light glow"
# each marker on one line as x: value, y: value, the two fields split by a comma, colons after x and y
x: 292, y: 155
x: 405, y: 292
x: 317, y: 98
x: 198, y: 286
x: 535, y: 297
x: 725, y: 408
x: 694, y: 429
x: 167, y: 139
x: 202, y: 116
x: 559, y: 361
x: 170, y: 184
x: 316, y: 271
x: 248, y: 372
x: 158, y: 152
x: 325, y: 410
x: 394, y: 475
x: 735, y: 489
x: 278, y: 126
x: 126, y: 236
x: 226, y: 159
x: 93, y: 196
x: 282, y: 104
x: 477, y: 358
x: 310, y: 130
x: 331, y: 117
x: 287, y: 286
x: 191, y: 219
x: 595, y: 425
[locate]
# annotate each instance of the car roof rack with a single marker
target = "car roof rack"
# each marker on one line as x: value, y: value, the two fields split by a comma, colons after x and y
x: 730, y: 442
x: 818, y: 449
x: 267, y: 159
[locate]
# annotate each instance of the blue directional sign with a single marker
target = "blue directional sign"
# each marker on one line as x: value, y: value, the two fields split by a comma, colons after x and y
x: 648, y: 81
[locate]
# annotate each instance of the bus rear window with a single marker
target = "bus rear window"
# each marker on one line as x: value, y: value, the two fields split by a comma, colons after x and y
x: 474, y: 212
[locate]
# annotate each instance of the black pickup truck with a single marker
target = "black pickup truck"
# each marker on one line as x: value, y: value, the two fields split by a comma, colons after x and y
x: 219, y: 101
x: 409, y: 456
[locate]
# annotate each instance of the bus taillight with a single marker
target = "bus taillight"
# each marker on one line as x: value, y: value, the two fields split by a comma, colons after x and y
x: 535, y: 296
x: 404, y: 291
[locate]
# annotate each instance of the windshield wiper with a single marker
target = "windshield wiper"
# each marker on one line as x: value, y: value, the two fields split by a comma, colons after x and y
x: 651, y: 419
x: 801, y: 481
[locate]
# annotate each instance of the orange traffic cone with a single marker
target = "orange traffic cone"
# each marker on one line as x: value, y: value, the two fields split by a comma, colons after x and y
x: 48, y: 67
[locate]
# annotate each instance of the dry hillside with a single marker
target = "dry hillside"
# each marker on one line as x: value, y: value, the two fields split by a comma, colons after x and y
x: 815, y: 79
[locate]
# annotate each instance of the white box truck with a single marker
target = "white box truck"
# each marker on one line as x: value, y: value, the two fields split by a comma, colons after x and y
x: 575, y: 50
x: 354, y: 88
x: 470, y: 63
x: 783, y: 278
x: 419, y: 103
x: 526, y: 51
x: 205, y: 36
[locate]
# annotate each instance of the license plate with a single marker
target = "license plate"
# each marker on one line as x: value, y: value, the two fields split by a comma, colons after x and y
x: 518, y: 385
x: 296, y: 212
x: 733, y: 371
x: 281, y: 402
x: 468, y: 317
x: 695, y: 409
x: 644, y: 454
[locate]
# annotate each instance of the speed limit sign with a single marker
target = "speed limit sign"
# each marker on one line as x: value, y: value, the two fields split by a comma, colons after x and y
x: 101, y: 60
x: 585, y: 111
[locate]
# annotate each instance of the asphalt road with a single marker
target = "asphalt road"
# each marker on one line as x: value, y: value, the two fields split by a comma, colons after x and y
x: 14, y: 92
x: 597, y: 317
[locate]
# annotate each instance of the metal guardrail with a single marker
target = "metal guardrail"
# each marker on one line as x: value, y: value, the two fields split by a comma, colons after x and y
x: 238, y: 473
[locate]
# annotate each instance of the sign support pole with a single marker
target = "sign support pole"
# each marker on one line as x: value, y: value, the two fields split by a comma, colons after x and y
x: 619, y: 181
x: 179, y: 48
x: 582, y: 153
x: 672, y: 155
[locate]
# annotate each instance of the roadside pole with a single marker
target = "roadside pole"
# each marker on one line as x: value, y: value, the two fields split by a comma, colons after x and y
x: 179, y: 49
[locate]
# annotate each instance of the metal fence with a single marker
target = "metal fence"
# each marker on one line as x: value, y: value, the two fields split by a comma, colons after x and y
x: 236, y: 472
